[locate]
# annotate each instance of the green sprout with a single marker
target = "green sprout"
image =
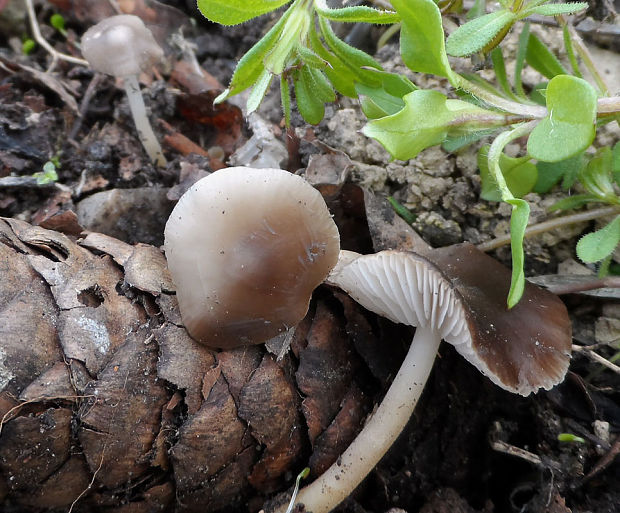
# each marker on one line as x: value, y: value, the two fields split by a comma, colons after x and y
x: 569, y: 437
x: 49, y: 174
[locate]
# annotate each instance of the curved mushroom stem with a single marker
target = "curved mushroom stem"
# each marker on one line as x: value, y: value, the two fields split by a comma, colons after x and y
x: 380, y: 431
x: 138, y: 111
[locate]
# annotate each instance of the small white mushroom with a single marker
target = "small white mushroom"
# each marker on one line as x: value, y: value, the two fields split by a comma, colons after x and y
x: 122, y: 46
x: 246, y: 247
x: 459, y: 296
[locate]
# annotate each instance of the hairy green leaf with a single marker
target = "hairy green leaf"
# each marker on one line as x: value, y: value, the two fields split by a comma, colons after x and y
x: 597, y: 176
x: 520, y: 59
x: 251, y: 65
x: 356, y: 14
x: 426, y: 120
x: 233, y: 12
x: 599, y: 244
x: 500, y: 72
x: 615, y: 163
x: 385, y: 99
x: 550, y: 173
x: 569, y: 127
x: 258, y: 91
x: 576, y: 201
x: 475, y: 34
x: 555, y: 9
x: 310, y: 106
x: 422, y: 43
x: 518, y: 224
x: 340, y: 75
x: 542, y: 59
x: 520, y: 175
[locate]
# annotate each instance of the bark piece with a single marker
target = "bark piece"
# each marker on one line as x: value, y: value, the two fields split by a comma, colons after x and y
x: 183, y: 362
x: 325, y: 370
x: 238, y: 365
x: 34, y: 447
x: 53, y: 383
x: 61, y: 488
x: 269, y: 404
x: 28, y: 337
x: 128, y: 398
x: 208, y: 441
x: 340, y: 433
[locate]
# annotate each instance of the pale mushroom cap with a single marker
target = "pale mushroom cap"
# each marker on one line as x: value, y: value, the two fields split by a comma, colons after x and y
x: 463, y: 295
x: 121, y: 46
x: 246, y: 247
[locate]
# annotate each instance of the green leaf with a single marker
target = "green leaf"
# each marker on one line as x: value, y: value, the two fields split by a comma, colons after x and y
x: 576, y: 201
x: 311, y: 108
x: 597, y: 176
x: 456, y: 142
x: 340, y: 75
x: 258, y: 91
x: 233, y: 12
x: 293, y: 32
x: 570, y: 52
x: 385, y: 99
x: 58, y: 22
x: 518, y: 224
x: 615, y: 163
x: 251, y: 65
x: 569, y: 437
x: 476, y: 34
x: 542, y: 59
x: 569, y: 127
x: 318, y: 83
x: 309, y: 58
x: 520, y: 59
x: 426, y: 120
x: 599, y: 244
x: 500, y: 72
x: 422, y: 45
x: 519, y: 173
x: 550, y: 173
x: 555, y: 9
x: 402, y: 211
x: 351, y: 57
x: 357, y: 14
x: 423, y: 122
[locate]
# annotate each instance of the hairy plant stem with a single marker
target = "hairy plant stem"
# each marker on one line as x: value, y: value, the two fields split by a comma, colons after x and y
x: 520, y: 109
x: 551, y: 224
x: 608, y: 106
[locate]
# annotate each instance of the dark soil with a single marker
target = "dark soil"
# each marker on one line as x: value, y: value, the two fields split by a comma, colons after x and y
x: 470, y: 446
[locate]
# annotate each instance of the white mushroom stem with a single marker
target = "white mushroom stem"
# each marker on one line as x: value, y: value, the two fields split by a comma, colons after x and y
x: 138, y: 111
x: 380, y: 431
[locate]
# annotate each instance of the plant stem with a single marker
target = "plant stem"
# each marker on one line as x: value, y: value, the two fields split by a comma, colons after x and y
x: 138, y: 111
x: 380, y: 431
x: 527, y: 111
x: 551, y: 224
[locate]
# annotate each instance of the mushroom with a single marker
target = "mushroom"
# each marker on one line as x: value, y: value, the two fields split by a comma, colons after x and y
x: 456, y: 294
x: 122, y: 46
x: 246, y: 247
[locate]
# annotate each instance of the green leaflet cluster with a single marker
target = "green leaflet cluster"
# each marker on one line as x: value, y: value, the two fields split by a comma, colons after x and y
x: 559, y: 117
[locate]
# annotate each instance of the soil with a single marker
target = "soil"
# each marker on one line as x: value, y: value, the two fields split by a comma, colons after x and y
x: 470, y: 446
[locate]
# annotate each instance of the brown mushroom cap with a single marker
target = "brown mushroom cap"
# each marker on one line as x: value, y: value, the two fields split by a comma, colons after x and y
x: 246, y: 247
x: 120, y: 46
x: 462, y: 292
